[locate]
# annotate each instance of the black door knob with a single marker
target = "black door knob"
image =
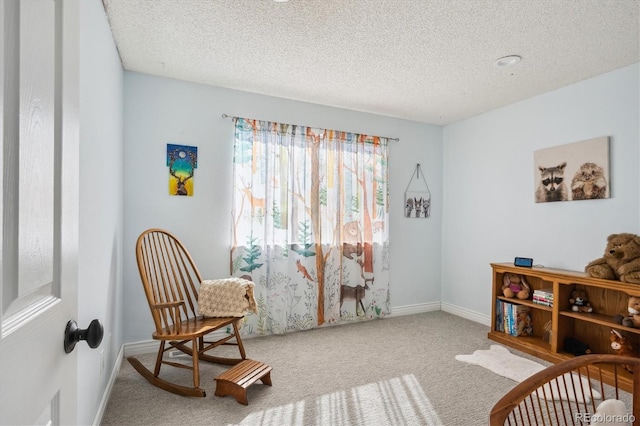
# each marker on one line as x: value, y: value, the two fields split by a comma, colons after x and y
x: 92, y: 335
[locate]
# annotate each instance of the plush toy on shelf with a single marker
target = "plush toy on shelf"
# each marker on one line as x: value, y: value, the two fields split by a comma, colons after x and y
x: 575, y: 346
x: 622, y: 347
x: 621, y: 259
x: 579, y: 301
x: 632, y: 319
x: 514, y: 285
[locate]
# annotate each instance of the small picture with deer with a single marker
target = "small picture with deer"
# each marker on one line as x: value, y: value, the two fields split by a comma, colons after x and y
x: 182, y: 161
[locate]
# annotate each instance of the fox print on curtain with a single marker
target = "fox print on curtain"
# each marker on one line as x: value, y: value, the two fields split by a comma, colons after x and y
x: 310, y: 224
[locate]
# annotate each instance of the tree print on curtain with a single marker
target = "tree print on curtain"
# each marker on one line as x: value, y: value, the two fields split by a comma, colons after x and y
x: 310, y: 225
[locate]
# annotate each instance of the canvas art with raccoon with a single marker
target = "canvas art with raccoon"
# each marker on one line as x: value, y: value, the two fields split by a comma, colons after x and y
x: 573, y: 171
x: 551, y: 186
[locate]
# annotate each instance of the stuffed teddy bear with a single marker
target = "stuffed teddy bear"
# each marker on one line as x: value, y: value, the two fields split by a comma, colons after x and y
x: 632, y: 319
x: 622, y: 347
x: 514, y: 285
x: 579, y: 301
x: 621, y: 260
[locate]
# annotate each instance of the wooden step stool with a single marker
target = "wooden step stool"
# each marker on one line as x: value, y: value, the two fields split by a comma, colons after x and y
x: 238, y: 378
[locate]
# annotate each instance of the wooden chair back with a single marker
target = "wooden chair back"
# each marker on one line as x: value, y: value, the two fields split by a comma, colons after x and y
x: 171, y: 281
x: 169, y: 278
x: 530, y: 402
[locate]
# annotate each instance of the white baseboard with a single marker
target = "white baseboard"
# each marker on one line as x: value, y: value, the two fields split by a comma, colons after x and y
x: 414, y: 309
x: 466, y: 313
x: 139, y: 348
x: 107, y: 393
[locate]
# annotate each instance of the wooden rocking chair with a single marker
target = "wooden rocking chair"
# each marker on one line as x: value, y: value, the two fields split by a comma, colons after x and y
x: 171, y: 281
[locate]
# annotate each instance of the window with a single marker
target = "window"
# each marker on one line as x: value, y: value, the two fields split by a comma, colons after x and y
x: 310, y: 216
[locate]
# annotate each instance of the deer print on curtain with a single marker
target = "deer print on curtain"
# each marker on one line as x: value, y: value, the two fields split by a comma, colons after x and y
x: 310, y: 215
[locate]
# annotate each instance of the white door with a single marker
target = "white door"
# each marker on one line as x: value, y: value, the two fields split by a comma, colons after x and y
x: 39, y: 126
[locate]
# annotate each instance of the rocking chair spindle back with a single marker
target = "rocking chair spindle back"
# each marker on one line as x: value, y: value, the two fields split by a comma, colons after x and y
x: 171, y: 280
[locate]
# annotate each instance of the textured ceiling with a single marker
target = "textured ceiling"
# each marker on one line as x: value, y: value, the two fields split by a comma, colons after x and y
x: 421, y: 60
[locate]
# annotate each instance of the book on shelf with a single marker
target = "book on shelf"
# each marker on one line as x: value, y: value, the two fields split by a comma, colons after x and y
x: 543, y: 302
x: 522, y: 325
x: 516, y: 319
x: 543, y: 297
x: 545, y: 292
x: 499, y: 315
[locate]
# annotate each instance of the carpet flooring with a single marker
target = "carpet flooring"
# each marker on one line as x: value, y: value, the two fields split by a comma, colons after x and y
x: 393, y: 371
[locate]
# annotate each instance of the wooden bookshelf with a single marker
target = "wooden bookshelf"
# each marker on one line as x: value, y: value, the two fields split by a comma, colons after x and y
x: 608, y: 299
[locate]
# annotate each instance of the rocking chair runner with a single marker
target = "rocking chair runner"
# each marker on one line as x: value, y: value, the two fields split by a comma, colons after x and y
x: 170, y: 279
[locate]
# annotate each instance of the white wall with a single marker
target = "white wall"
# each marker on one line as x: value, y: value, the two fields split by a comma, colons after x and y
x: 489, y: 209
x: 101, y: 177
x: 159, y: 111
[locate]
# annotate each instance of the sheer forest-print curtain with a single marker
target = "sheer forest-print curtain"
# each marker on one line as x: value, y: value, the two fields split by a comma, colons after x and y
x: 310, y: 224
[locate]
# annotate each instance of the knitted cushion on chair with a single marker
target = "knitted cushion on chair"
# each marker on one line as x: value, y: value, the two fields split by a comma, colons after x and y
x: 228, y: 297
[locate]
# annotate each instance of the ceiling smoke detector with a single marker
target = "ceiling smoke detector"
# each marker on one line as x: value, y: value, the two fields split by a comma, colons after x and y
x: 507, y: 61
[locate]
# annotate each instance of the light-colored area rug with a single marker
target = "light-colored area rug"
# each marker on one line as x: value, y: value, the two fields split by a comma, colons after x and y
x: 499, y: 360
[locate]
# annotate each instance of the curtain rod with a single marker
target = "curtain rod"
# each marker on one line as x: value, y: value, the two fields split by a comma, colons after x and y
x: 233, y: 117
